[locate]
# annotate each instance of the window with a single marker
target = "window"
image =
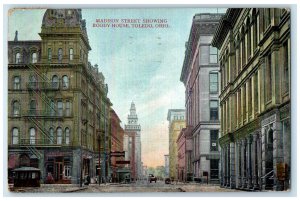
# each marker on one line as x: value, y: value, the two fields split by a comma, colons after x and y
x: 71, y: 54
x: 16, y: 108
x: 285, y: 68
x: 60, y: 108
x: 51, y: 135
x: 250, y: 96
x: 15, y: 136
x: 32, y: 107
x: 213, y: 54
x: 68, y: 108
x: 52, y: 108
x: 32, y: 135
x: 65, y: 82
x: 34, y: 57
x: 49, y: 54
x: 268, y: 78
x: 55, y: 82
x: 67, y: 171
x: 18, y: 58
x: 59, y: 135
x: 67, y: 137
x: 249, y: 47
x: 32, y: 82
x: 60, y: 55
x: 214, y: 140
x: 267, y: 17
x: 213, y: 82
x: 214, y: 110
x: 17, y: 82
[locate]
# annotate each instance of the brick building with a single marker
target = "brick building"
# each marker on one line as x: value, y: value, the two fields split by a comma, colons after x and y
x: 58, y: 108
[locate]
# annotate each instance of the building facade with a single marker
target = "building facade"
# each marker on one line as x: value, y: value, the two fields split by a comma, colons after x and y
x: 200, y: 75
x: 117, y: 142
x: 132, y: 143
x: 254, y: 57
x: 176, y: 118
x: 57, y: 101
x: 184, y: 156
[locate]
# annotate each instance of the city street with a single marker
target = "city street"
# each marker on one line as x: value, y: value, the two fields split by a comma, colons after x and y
x: 140, y: 186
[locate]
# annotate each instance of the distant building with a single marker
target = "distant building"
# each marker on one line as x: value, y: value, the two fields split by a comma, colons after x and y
x: 132, y: 144
x: 58, y: 109
x: 167, y: 166
x: 200, y: 75
x: 117, y: 142
x: 176, y: 118
x: 255, y: 52
x: 185, y: 147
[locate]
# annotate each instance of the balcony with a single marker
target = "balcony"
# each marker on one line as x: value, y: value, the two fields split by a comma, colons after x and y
x: 51, y: 86
x: 39, y: 143
x: 43, y: 113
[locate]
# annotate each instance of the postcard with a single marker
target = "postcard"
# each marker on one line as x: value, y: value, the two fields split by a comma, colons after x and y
x: 138, y: 100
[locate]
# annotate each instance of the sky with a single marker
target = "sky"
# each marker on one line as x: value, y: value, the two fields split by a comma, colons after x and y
x: 139, y: 65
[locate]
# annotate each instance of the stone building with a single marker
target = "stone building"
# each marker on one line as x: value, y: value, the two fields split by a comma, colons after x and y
x: 57, y: 101
x: 254, y: 58
x: 176, y: 118
x: 117, y: 142
x: 132, y: 144
x: 200, y: 75
x: 184, y: 155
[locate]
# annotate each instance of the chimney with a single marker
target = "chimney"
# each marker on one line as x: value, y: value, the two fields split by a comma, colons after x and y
x: 16, y: 36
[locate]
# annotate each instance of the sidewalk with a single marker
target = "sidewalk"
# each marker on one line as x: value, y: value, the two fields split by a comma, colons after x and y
x: 49, y: 188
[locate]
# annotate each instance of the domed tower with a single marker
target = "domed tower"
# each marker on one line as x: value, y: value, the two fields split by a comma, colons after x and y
x: 64, y: 37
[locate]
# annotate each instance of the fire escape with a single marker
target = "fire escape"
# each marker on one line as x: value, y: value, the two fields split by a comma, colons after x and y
x: 38, y: 87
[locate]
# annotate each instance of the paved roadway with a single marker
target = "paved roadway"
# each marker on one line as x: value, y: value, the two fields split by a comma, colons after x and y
x: 139, y: 186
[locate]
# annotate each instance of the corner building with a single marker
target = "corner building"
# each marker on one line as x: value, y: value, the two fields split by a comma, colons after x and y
x: 58, y: 108
x: 254, y: 58
x: 200, y: 75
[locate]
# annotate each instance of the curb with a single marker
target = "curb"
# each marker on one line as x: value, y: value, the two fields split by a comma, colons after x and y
x: 75, y: 190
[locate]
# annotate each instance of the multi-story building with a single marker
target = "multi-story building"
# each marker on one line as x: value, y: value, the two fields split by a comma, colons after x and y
x: 167, y: 166
x: 176, y: 118
x: 184, y: 156
x: 117, y: 141
x: 200, y: 75
x: 57, y: 101
x: 254, y: 57
x: 132, y: 144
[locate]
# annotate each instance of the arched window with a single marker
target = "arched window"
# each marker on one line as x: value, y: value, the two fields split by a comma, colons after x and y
x: 18, y: 58
x: 32, y: 82
x: 249, y: 48
x: 17, y: 82
x: 15, y: 136
x: 71, y: 54
x: 67, y: 137
x: 65, y: 82
x: 60, y: 55
x: 49, y: 54
x: 32, y: 136
x: 16, y: 108
x: 51, y: 135
x: 32, y: 107
x: 59, y: 135
x: 34, y: 57
x: 255, y: 29
x: 55, y: 82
